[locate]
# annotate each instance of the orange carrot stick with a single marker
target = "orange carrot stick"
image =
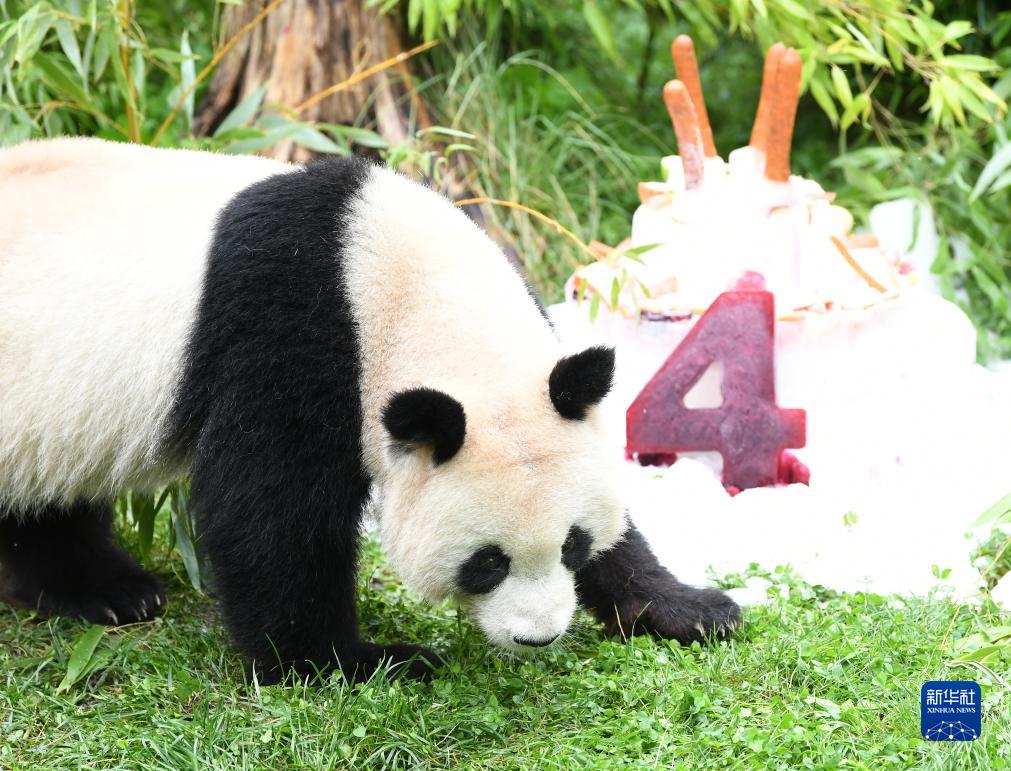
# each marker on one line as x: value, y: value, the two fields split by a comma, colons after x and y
x: 682, y: 51
x: 760, y: 130
x: 686, y: 127
x: 782, y: 115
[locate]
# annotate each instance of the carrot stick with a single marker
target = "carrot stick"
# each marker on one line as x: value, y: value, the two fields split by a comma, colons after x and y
x: 682, y: 51
x: 686, y: 127
x: 760, y: 131
x: 782, y: 114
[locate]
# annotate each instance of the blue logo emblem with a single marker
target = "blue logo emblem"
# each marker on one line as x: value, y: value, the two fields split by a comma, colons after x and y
x: 951, y: 711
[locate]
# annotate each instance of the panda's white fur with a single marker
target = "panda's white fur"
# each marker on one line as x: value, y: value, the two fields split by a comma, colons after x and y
x: 524, y: 475
x: 103, y: 250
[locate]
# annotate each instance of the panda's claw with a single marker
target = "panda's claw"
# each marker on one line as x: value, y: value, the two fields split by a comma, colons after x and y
x: 113, y: 600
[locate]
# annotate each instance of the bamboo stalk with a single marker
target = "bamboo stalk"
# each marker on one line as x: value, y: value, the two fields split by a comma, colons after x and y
x: 132, y: 121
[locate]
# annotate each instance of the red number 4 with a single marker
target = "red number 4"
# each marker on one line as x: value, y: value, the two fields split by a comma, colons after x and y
x: 748, y: 429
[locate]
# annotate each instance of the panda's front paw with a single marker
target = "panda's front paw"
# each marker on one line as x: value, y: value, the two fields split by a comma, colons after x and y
x: 632, y: 593
x: 675, y: 611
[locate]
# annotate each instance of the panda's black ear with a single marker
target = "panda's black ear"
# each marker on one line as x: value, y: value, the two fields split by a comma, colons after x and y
x: 579, y: 381
x: 424, y: 416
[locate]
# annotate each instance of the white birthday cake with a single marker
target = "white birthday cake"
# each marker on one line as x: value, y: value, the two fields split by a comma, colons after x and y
x: 906, y: 434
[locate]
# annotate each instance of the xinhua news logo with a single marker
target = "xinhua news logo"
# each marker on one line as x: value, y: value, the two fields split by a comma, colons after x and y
x: 950, y: 711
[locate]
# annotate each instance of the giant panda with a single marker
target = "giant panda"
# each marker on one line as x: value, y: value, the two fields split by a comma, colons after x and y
x: 306, y: 342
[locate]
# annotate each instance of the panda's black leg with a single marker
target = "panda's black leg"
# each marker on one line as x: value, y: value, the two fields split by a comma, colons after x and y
x: 282, y: 534
x: 631, y: 593
x: 63, y: 561
x: 270, y: 405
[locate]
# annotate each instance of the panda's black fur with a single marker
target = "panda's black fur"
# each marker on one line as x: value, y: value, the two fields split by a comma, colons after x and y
x: 269, y: 407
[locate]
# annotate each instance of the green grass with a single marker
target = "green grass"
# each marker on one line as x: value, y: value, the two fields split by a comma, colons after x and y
x: 814, y: 680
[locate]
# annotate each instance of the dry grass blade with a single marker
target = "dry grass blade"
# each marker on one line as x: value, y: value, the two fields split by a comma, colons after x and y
x: 368, y: 72
x: 851, y: 261
x: 558, y: 226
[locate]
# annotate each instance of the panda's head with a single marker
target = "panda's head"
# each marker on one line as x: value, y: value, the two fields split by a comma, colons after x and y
x: 498, y: 505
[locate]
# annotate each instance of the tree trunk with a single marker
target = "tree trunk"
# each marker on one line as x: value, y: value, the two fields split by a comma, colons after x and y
x: 303, y: 47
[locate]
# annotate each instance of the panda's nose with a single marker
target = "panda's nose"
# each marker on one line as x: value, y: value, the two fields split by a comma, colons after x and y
x: 533, y: 643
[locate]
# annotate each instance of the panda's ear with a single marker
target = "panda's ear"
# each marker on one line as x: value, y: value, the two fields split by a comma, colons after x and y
x: 426, y: 417
x: 579, y: 381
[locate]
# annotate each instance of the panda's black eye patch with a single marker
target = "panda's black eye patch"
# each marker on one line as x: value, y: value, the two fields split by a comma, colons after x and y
x: 576, y: 549
x: 483, y: 571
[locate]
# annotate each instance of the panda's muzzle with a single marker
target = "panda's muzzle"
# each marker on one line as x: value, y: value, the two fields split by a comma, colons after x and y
x: 534, y: 643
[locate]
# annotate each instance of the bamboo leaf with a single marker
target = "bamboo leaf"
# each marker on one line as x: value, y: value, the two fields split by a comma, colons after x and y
x: 143, y: 515
x: 172, y: 57
x: 359, y: 136
x: 243, y: 111
x: 316, y: 141
x: 996, y: 513
x: 430, y: 19
x: 600, y: 26
x: 894, y: 54
x: 821, y: 96
x: 997, y: 165
x: 187, y: 74
x: 980, y: 655
x: 970, y: 62
x: 68, y: 42
x: 81, y: 657
x: 636, y: 251
x: 62, y: 82
x: 842, y: 90
x: 185, y: 539
x: 414, y: 9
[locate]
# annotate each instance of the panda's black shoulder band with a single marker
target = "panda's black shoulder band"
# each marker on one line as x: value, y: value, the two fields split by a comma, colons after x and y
x: 424, y: 416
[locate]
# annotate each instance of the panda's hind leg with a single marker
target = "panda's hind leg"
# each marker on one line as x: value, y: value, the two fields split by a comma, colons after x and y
x: 63, y: 561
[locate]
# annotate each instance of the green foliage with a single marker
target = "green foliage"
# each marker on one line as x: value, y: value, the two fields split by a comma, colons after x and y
x: 870, y: 39
x: 140, y: 515
x: 535, y: 140
x: 92, y: 67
